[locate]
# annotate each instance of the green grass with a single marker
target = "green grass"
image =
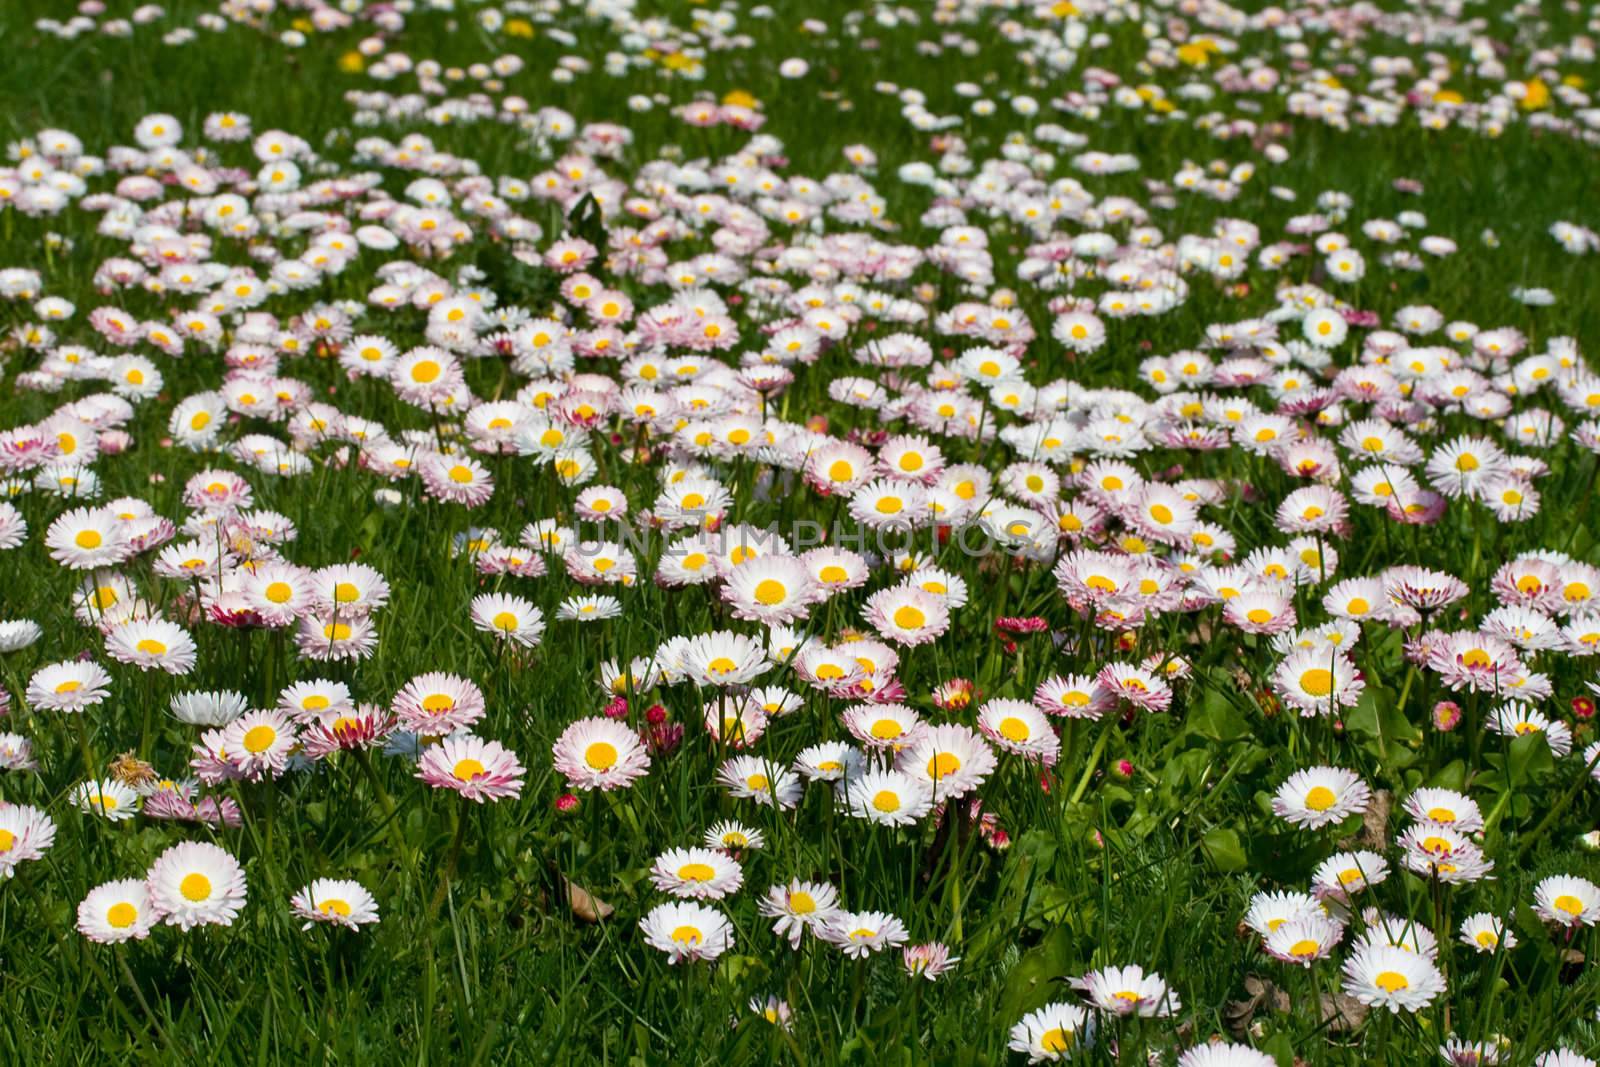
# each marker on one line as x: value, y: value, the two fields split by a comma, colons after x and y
x: 1156, y: 868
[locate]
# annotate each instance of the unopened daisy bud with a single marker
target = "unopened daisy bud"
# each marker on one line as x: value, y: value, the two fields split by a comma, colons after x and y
x: 1446, y: 716
x: 655, y: 715
x: 664, y: 739
x: 1021, y: 624
x: 567, y: 803
x: 1124, y: 768
x: 617, y: 709
x: 1583, y: 708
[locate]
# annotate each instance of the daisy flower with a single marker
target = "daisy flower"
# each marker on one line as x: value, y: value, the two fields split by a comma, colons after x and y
x: 1443, y: 852
x: 1317, y: 681
x: 1383, y: 976
x: 330, y: 637
x: 17, y: 634
x: 753, y: 778
x: 456, y: 480
x: 1566, y: 900
x: 888, y: 798
x: 107, y: 798
x: 1563, y: 1057
x: 1344, y: 874
x: 1053, y: 1033
x: 1018, y: 727
x: 25, y: 834
x: 589, y: 609
x: 350, y: 589
x: 600, y: 753
x: 907, y: 615
x: 509, y: 618
x: 337, y: 901
x: 830, y: 761
x: 1076, y: 696
x: 436, y: 704
x: 773, y: 1010
x: 117, y: 911
x: 929, y: 961
x: 16, y: 753
x: 733, y: 837
x: 858, y: 934
x: 1456, y: 810
x: 1259, y: 612
x: 315, y: 699
x: 1140, y: 687
x: 1128, y: 991
x: 1268, y: 911
x: 258, y: 744
x: 1320, y: 796
x: 1483, y: 932
x: 723, y: 658
x: 477, y: 769
x: 772, y: 589
x: 835, y: 570
x: 951, y: 760
x: 87, y: 539
x: 152, y: 644
x: 1222, y: 1054
x: 1519, y: 720
x: 194, y: 883
x: 1304, y: 941
x: 799, y: 906
x: 696, y: 874
x: 687, y: 931
x: 72, y: 686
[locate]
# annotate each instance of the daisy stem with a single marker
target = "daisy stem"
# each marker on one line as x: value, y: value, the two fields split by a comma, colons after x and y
x: 1094, y: 760
x: 83, y: 746
x: 138, y: 993
x: 390, y: 816
x: 449, y: 864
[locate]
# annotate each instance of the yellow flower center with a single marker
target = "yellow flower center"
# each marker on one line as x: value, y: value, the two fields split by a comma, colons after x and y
x: 259, y: 738
x: 1391, y: 982
x: 1317, y: 682
x: 908, y: 617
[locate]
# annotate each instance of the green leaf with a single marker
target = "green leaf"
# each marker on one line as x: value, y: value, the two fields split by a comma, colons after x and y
x: 1530, y: 759
x: 1032, y: 981
x: 1218, y: 720
x: 1451, y: 776
x: 1224, y: 849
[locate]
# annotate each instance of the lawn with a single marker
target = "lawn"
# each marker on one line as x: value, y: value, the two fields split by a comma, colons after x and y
x: 967, y: 533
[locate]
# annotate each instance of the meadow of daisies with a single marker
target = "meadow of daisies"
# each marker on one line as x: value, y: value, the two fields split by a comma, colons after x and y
x: 970, y: 532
